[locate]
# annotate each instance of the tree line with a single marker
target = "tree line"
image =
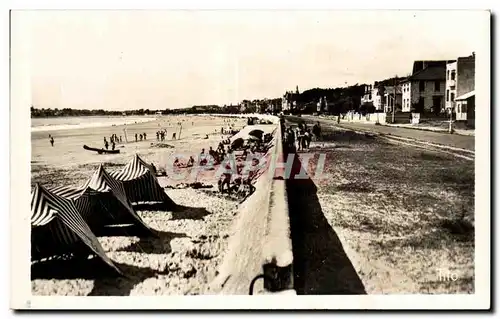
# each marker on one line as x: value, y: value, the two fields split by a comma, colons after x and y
x: 196, y: 109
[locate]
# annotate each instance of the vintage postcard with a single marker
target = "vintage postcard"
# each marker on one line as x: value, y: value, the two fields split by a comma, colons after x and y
x: 255, y: 159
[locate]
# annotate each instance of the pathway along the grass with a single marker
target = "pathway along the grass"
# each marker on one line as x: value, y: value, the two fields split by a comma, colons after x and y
x: 454, y: 140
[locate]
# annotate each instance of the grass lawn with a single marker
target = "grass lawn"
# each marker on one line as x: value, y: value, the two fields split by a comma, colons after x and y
x: 405, y: 216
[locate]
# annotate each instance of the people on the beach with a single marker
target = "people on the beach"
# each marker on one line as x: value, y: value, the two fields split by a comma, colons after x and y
x: 136, y: 137
x: 225, y: 179
x: 190, y: 161
x: 144, y: 135
x: 51, y: 140
x: 113, y: 145
x: 173, y: 136
x: 106, y: 144
x: 202, y: 159
x: 157, y: 136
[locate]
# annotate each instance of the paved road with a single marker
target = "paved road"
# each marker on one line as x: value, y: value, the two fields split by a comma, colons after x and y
x: 459, y: 141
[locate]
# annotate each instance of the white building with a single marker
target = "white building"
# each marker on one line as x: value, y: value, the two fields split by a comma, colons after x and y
x: 367, y: 98
x: 390, y: 100
x: 451, y: 85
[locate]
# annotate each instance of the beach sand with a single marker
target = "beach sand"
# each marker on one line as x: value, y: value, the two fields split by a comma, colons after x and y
x: 191, y: 245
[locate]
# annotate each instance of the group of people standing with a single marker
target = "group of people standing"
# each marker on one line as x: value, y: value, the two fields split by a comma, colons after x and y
x: 113, y: 139
x: 140, y: 137
x: 161, y: 135
x: 300, y: 138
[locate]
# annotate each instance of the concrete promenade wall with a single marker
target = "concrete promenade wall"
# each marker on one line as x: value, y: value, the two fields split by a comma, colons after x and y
x: 260, y: 233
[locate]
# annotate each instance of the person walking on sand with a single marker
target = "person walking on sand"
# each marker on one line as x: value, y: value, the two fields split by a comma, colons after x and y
x: 173, y: 136
x: 144, y: 136
x: 51, y: 139
x: 136, y: 137
x: 113, y: 145
x: 157, y: 136
x: 106, y: 144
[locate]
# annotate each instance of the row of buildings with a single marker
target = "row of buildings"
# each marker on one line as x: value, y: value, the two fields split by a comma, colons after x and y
x: 439, y: 87
x: 443, y: 88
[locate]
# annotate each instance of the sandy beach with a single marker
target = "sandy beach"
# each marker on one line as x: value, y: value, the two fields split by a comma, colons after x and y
x: 184, y: 259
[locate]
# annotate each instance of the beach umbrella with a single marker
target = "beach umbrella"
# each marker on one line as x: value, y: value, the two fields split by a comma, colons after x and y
x: 253, y: 138
x: 237, y: 143
x: 256, y: 133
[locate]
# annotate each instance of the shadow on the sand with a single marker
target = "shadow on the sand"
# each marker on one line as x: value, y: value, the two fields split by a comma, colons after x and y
x: 121, y: 230
x: 121, y: 285
x: 187, y: 212
x: 178, y: 211
x: 161, y: 206
x: 75, y: 268
x: 154, y: 245
x: 320, y: 264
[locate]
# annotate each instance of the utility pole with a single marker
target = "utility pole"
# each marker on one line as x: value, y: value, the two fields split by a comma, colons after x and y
x: 450, y: 126
x: 394, y: 100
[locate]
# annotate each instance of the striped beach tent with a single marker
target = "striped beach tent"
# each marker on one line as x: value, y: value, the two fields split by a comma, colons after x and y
x: 141, y: 184
x: 58, y: 229
x: 102, y: 201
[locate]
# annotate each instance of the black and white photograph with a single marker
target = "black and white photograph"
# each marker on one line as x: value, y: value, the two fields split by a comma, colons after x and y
x: 260, y: 153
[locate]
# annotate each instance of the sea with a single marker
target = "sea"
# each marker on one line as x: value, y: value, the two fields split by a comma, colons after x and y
x: 76, y: 122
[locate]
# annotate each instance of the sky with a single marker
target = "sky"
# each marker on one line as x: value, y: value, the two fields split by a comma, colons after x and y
x: 119, y: 60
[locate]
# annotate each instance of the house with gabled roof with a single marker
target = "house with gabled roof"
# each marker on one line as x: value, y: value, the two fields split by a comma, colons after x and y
x: 424, y: 90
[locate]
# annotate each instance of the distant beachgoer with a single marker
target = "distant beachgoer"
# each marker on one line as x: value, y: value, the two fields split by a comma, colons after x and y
x: 106, y: 144
x: 173, y: 136
x: 113, y: 145
x: 136, y: 137
x: 203, y: 159
x: 51, y: 140
x: 144, y: 136
x: 190, y: 162
x: 140, y: 137
x: 157, y: 136
x: 225, y: 179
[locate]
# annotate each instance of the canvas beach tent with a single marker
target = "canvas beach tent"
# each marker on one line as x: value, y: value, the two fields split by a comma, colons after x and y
x: 102, y: 202
x: 58, y: 229
x: 141, y: 184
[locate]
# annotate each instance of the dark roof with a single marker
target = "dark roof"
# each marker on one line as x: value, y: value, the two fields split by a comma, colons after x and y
x: 423, y: 64
x: 389, y: 82
x: 433, y: 73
